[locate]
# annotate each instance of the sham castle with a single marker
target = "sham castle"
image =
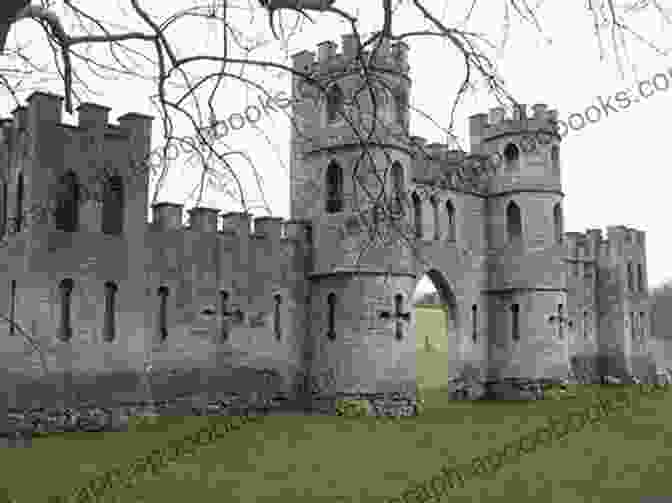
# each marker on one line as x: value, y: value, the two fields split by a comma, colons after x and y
x: 103, y: 291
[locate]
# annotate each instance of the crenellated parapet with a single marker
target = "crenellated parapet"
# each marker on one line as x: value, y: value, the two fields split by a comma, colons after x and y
x: 448, y: 167
x: 169, y: 216
x: 484, y: 127
x: 388, y: 56
x: 621, y: 247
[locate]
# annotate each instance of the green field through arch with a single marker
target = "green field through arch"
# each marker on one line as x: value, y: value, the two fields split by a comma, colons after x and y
x: 434, y: 329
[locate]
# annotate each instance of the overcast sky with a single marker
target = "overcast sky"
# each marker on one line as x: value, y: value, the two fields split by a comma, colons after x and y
x: 615, y: 171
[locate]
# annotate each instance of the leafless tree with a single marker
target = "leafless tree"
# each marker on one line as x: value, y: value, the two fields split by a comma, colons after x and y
x: 187, y: 81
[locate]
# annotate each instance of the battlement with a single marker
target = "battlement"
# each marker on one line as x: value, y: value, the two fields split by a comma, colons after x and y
x: 47, y: 108
x: 392, y: 56
x: 622, y: 238
x: 498, y: 122
x: 592, y: 246
x: 167, y: 216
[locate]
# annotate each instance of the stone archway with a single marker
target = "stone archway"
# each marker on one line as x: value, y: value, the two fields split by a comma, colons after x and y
x: 437, y: 327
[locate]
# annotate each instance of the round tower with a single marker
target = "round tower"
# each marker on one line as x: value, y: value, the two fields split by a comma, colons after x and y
x: 527, y: 288
x: 360, y: 291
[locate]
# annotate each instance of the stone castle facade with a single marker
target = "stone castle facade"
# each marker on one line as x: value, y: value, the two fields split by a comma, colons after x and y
x: 103, y: 291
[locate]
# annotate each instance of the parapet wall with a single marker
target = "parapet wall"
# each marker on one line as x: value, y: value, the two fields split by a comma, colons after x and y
x: 483, y: 127
x: 391, y: 56
x: 170, y: 217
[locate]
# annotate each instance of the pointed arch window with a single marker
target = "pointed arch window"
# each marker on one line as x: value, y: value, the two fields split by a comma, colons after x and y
x: 642, y: 325
x: 277, y: 326
x: 631, y: 285
x: 514, y: 226
x: 334, y: 182
x: 557, y: 223
x: 555, y: 159
x: 65, y: 289
x: 450, y: 210
x: 109, y: 327
x: 585, y: 324
x: 633, y: 332
x: 515, y: 322
x: 331, y: 303
x: 335, y: 101
x: 18, y: 219
x: 67, y: 206
x: 435, y: 212
x: 113, y: 205
x: 417, y: 215
x: 163, y: 293
x: 512, y: 157
x: 398, y: 189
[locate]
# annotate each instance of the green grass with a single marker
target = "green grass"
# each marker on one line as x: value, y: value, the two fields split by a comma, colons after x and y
x: 325, y: 459
x: 432, y: 348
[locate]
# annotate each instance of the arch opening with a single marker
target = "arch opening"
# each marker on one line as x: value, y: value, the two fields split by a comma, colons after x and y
x: 436, y: 323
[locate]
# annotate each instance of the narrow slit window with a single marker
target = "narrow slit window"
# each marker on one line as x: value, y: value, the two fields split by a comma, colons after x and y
x: 515, y: 322
x: 163, y: 313
x: 640, y: 277
x: 331, y: 302
x: 399, y: 316
x: 450, y: 210
x: 334, y: 182
x: 12, y: 307
x: 417, y: 215
x: 3, y: 208
x: 224, y: 315
x: 474, y: 322
x: 435, y: 211
x: 277, y: 326
x: 555, y: 160
x: 18, y: 218
x: 109, y: 328
x: 398, y: 190
x: 631, y: 286
x: 65, y: 330
x: 557, y: 222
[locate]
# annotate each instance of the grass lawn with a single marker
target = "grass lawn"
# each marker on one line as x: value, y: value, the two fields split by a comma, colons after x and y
x: 324, y: 460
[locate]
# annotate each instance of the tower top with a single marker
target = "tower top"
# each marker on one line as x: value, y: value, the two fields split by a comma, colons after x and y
x: 388, y: 56
x: 484, y: 127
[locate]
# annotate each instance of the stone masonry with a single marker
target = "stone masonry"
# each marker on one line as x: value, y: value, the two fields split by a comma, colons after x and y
x: 203, y: 297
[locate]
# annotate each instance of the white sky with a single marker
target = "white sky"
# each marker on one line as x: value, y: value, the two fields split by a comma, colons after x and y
x: 610, y: 168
